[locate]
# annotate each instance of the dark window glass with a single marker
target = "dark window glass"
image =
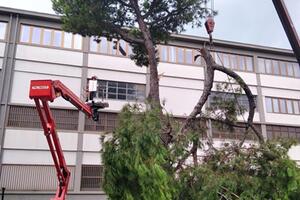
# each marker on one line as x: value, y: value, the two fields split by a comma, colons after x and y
x: 120, y: 90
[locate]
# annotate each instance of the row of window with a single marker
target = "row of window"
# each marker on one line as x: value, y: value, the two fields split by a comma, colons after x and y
x: 3, y: 27
x: 120, y: 91
x: 285, y: 106
x: 242, y: 99
x: 172, y: 54
x: 50, y: 37
x: 233, y: 61
x: 220, y: 131
x: 113, y: 47
x: 27, y: 117
x: 277, y: 67
x: 276, y: 132
x: 187, y: 56
x: 24, y: 116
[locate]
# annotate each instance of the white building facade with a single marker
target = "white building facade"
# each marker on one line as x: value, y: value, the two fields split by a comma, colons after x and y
x: 33, y: 46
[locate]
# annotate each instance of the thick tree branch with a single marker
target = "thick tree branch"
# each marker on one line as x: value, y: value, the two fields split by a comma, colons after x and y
x: 208, y: 84
x: 123, y: 33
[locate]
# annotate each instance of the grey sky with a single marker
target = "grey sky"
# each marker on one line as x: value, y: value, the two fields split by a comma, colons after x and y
x: 247, y: 21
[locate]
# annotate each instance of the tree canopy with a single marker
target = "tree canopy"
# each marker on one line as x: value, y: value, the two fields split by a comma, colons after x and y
x: 151, y: 155
x: 143, y: 24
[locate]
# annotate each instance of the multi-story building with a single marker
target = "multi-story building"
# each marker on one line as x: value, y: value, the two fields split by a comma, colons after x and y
x: 33, y: 46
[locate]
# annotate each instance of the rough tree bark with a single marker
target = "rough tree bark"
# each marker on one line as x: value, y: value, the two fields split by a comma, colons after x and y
x: 153, y: 95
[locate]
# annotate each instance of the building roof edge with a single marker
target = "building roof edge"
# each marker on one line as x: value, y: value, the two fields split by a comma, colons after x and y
x: 183, y: 37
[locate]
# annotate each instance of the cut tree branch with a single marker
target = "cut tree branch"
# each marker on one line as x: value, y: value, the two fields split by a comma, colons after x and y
x: 208, y: 84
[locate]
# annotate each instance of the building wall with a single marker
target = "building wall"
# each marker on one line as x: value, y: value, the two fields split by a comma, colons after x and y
x: 25, y: 158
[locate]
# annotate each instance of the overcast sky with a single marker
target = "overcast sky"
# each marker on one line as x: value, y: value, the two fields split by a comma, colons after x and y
x: 247, y: 21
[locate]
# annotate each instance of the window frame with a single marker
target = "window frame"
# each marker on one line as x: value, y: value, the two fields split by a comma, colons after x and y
x: 5, y: 32
x: 51, y: 42
x: 279, y: 105
x: 282, y: 65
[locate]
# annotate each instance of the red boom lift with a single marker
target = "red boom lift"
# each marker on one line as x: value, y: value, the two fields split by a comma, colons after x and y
x: 43, y: 91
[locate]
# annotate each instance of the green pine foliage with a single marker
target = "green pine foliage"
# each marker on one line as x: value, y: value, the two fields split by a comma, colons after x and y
x: 134, y: 158
x: 138, y: 166
x: 253, y: 173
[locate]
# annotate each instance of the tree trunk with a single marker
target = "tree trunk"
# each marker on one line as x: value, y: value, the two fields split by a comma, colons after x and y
x: 153, y: 95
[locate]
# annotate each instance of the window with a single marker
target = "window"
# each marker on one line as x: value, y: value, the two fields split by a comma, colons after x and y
x: 278, y: 67
x: 36, y: 35
x: 269, y: 104
x: 283, y: 69
x: 25, y: 34
x: 172, y: 54
x: 241, y: 63
x: 57, y: 38
x: 92, y: 177
x: 93, y: 44
x: 296, y: 106
x: 77, y: 41
x: 163, y: 53
x: 275, y: 106
x: 220, y: 131
x: 47, y: 37
x: 290, y: 69
x: 249, y: 62
x: 289, y: 106
x: 268, y: 66
x: 68, y: 40
x: 180, y: 56
x: 121, y: 90
x: 3, y: 26
x: 297, y: 70
x: 242, y: 98
x: 275, y: 67
x: 122, y: 48
x: 233, y: 61
x: 189, y: 56
x: 107, y: 122
x: 50, y: 37
x: 276, y: 132
x: 226, y: 61
x: 280, y: 105
x: 261, y: 65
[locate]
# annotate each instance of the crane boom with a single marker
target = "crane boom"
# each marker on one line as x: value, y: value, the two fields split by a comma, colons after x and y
x: 43, y: 91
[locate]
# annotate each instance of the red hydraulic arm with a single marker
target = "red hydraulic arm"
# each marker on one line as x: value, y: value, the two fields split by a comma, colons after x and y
x: 43, y: 91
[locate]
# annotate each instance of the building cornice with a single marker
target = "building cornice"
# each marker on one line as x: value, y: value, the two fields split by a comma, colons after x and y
x: 30, y: 14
